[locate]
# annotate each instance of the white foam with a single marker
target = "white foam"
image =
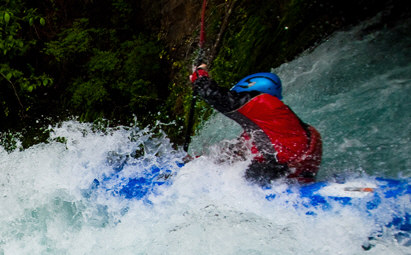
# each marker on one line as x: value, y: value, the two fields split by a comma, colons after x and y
x: 209, y: 208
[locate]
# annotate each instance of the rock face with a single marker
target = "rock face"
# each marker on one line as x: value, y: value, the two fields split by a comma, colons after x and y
x: 176, y: 20
x: 180, y: 18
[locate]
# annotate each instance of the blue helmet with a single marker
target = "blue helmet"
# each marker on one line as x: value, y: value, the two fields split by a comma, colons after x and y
x: 264, y: 82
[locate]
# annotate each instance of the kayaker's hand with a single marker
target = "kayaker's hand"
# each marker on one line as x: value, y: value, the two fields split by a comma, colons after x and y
x: 200, y: 71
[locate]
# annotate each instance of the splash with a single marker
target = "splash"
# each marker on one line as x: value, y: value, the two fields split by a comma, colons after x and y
x: 50, y: 204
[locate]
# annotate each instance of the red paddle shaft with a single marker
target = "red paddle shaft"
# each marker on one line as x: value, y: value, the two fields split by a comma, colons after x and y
x: 202, y: 32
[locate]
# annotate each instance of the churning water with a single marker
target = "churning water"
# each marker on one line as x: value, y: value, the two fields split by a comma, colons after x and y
x: 354, y: 88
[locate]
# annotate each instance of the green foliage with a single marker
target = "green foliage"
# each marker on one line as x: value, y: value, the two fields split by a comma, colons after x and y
x: 71, y: 42
x: 142, y: 58
x: 103, y: 62
x: 115, y: 78
x: 83, y: 58
x: 19, y: 80
x: 88, y: 94
x: 98, y: 59
x: 14, y: 16
x: 238, y: 53
x: 10, y: 141
x: 26, y: 83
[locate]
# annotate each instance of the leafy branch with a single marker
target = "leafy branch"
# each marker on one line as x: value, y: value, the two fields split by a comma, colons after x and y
x: 14, y: 89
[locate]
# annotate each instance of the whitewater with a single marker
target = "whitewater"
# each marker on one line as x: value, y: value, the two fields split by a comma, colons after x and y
x: 354, y: 88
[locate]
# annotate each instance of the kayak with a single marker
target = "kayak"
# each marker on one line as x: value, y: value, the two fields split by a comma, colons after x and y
x: 387, y: 201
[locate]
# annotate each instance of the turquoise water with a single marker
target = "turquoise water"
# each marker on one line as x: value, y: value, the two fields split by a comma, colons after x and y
x: 354, y: 88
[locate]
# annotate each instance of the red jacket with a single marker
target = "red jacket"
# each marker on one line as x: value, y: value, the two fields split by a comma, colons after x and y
x: 279, y: 123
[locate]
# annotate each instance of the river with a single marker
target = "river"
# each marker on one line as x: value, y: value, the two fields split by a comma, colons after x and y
x: 354, y: 88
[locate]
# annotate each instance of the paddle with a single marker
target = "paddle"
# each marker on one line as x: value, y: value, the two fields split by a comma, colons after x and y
x: 199, y: 60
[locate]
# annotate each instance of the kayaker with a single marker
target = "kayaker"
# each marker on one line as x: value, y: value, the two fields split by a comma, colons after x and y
x: 281, y: 143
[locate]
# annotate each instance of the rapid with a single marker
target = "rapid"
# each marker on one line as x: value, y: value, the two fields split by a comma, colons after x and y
x: 354, y: 88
